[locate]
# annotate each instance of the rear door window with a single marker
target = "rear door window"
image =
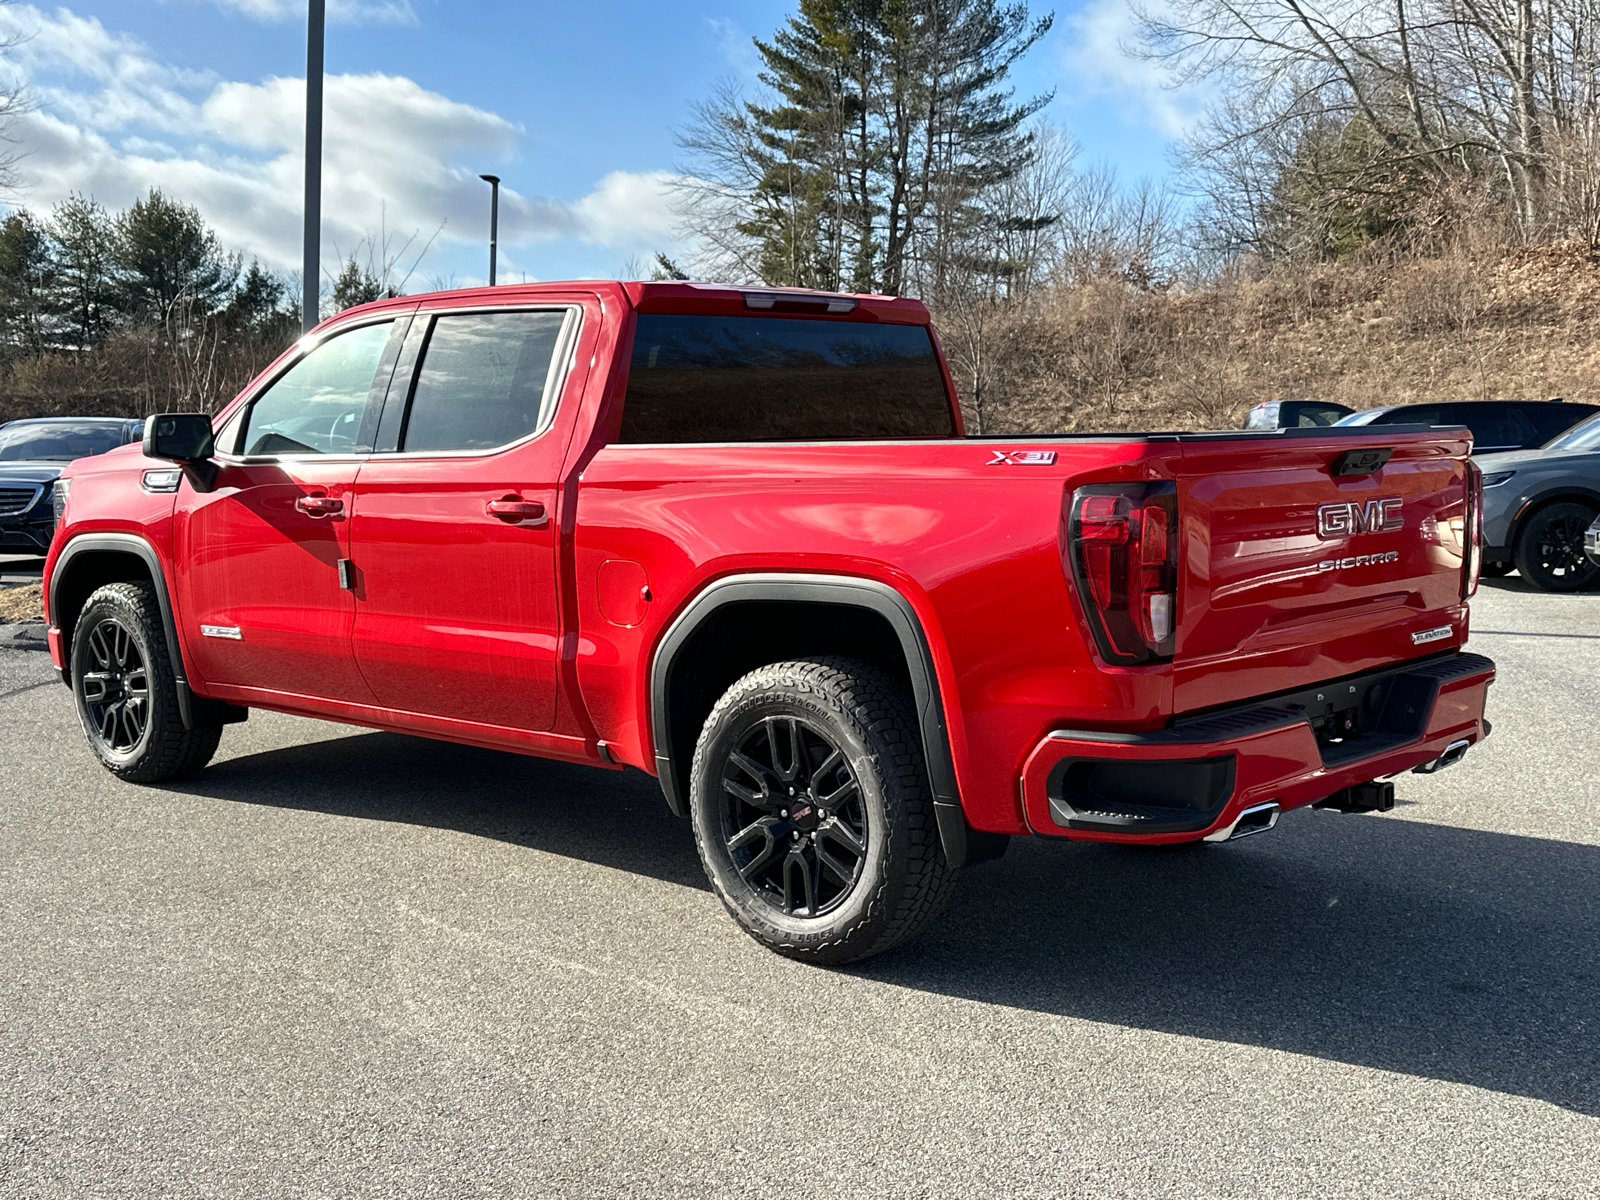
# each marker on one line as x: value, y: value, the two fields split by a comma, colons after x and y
x: 484, y: 380
x: 1496, y: 427
x: 753, y: 379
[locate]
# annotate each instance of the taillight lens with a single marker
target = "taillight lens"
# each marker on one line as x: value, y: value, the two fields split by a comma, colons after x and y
x: 1122, y: 551
x: 1472, y: 560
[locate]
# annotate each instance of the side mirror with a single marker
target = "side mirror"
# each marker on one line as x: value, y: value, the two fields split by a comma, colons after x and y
x: 179, y: 437
x: 184, y: 438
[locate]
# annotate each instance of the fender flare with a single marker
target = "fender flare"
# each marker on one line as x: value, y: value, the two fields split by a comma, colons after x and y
x: 190, y: 706
x: 845, y: 590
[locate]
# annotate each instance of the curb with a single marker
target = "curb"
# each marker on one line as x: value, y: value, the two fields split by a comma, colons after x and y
x: 26, y: 635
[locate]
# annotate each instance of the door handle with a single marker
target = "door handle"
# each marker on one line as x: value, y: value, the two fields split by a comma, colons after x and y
x: 514, y: 510
x: 319, y: 506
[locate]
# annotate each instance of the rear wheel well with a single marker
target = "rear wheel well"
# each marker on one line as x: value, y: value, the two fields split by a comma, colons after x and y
x: 739, y: 637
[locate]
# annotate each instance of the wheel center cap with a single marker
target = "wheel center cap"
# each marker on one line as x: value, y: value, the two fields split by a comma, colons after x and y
x: 805, y: 818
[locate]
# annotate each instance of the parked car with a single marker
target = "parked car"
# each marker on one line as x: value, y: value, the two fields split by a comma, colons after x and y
x: 1537, y: 505
x: 1497, y: 425
x: 32, y: 453
x: 1591, y: 542
x: 738, y: 539
x: 1294, y: 414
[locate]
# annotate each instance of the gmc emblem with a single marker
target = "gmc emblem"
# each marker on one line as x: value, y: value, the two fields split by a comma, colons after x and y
x: 1348, y: 518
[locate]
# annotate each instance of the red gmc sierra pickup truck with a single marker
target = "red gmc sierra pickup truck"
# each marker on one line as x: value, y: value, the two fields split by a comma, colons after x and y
x: 739, y: 539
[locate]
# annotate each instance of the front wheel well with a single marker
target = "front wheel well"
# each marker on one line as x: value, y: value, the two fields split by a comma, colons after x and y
x: 1533, y: 508
x: 83, y: 575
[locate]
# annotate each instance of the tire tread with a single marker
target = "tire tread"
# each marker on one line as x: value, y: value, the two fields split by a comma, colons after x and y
x: 172, y: 752
x: 904, y: 900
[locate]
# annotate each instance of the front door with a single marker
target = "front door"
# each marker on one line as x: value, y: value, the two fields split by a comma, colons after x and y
x: 259, y: 590
x: 454, y: 534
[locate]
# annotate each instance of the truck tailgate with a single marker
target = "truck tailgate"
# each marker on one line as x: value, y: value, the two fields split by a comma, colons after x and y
x: 1293, y: 575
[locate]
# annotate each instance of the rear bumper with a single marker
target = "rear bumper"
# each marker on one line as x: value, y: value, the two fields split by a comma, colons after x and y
x: 1195, y: 778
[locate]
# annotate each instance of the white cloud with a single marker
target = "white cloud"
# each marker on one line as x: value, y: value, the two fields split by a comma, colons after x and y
x: 735, y: 46
x: 114, y: 122
x: 1098, y: 63
x: 340, y: 12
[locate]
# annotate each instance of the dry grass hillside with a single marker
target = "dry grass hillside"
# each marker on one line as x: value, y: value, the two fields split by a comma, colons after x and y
x: 1522, y: 324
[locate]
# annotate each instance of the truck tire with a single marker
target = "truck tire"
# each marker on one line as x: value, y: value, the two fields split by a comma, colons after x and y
x: 812, y: 812
x: 127, y: 694
x: 1549, y: 550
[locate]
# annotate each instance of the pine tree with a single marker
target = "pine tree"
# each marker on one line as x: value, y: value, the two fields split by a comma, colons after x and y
x: 167, y: 255
x: 891, y: 127
x: 357, y: 285
x: 86, y: 294
x: 27, y: 275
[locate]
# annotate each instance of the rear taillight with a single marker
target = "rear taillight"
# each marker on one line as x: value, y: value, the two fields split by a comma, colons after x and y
x: 1122, y: 551
x: 1472, y: 559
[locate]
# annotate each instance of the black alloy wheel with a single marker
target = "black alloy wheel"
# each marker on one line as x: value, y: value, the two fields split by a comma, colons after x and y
x: 1549, y: 551
x: 127, y: 689
x: 812, y: 812
x: 116, y: 688
x: 792, y: 817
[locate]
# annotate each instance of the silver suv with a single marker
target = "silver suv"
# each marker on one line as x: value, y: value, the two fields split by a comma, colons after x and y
x: 1537, y: 507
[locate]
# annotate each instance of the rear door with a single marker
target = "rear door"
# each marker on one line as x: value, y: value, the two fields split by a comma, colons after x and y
x: 454, y: 535
x: 1293, y: 575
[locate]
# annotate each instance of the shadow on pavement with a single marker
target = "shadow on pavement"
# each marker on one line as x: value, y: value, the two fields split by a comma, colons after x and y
x: 1427, y: 950
x: 613, y: 818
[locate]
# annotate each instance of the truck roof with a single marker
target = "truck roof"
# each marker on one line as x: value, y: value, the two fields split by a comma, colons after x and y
x: 686, y: 296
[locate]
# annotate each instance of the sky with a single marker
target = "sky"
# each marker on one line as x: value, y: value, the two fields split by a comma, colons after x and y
x: 574, y: 106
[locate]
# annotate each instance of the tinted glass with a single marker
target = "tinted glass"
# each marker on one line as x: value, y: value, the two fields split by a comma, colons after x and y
x: 1422, y: 414
x: 482, y: 380
x: 58, y: 443
x: 745, y: 379
x: 1495, y: 426
x: 317, y: 406
x: 1551, y: 420
x: 1308, y: 415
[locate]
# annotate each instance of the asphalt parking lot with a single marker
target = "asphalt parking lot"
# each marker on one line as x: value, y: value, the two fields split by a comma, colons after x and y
x: 344, y: 963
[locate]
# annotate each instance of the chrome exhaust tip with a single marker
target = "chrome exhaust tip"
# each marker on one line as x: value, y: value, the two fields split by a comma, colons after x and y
x: 1258, y: 818
x: 1453, y: 753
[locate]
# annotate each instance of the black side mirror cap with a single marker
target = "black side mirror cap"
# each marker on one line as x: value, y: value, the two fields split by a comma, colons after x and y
x: 179, y: 437
x: 184, y: 438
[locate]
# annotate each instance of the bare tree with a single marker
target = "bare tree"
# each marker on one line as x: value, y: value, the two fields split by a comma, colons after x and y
x: 1402, y: 97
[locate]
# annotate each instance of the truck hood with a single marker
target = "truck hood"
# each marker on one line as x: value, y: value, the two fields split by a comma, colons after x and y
x: 1510, y: 460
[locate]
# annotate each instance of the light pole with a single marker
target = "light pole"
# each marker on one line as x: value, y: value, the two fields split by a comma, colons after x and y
x: 494, y: 221
x: 311, y: 294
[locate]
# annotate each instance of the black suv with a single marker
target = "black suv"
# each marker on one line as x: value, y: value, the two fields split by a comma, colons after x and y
x: 32, y: 453
x: 1496, y: 424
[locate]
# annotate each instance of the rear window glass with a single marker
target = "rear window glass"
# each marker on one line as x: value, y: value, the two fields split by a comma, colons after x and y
x: 751, y: 379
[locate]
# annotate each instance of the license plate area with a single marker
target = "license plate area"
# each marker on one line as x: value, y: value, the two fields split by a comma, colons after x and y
x: 1367, y: 714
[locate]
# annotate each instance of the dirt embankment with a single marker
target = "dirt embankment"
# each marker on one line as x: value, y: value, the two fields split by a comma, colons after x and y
x: 1522, y: 324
